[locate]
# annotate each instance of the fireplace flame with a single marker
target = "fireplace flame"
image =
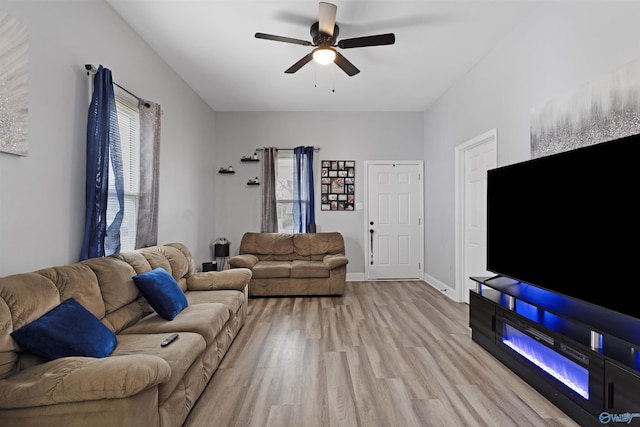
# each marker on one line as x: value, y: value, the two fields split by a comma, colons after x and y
x: 559, y: 367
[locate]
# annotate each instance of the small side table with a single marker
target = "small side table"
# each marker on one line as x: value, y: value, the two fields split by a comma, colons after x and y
x: 210, y: 266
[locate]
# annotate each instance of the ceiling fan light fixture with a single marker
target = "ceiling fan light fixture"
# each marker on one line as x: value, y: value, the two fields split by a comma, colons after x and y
x: 324, y: 55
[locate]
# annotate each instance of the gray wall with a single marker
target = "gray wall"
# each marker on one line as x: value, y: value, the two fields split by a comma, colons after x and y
x: 42, y: 195
x: 561, y: 46
x: 340, y: 136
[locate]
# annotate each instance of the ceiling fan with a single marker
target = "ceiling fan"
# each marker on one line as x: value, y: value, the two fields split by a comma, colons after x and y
x: 324, y: 34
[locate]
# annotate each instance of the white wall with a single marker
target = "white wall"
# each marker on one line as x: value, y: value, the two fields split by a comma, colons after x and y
x: 340, y: 136
x: 42, y: 195
x: 561, y: 46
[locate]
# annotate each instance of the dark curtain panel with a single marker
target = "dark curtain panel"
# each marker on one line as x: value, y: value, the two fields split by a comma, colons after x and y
x: 303, y: 205
x: 147, y: 229
x: 103, y: 149
x: 269, y: 211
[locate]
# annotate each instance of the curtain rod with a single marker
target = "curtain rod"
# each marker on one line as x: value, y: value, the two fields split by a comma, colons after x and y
x: 287, y: 149
x: 91, y: 69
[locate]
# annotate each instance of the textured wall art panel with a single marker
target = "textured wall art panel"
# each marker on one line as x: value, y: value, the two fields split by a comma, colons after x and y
x: 14, y: 88
x: 605, y: 109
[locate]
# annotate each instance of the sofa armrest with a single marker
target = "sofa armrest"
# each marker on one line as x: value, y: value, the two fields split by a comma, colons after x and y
x: 235, y: 279
x: 78, y: 379
x: 335, y: 261
x: 243, y: 261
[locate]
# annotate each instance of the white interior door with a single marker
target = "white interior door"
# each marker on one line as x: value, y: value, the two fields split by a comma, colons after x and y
x: 476, y: 158
x: 394, y: 230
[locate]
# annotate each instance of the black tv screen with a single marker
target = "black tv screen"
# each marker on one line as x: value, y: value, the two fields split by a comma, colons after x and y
x: 569, y: 223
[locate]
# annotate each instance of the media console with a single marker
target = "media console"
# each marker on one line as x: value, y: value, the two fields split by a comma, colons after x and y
x: 581, y: 357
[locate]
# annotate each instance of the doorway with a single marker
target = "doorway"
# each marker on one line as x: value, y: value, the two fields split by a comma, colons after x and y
x: 473, y: 159
x: 394, y: 229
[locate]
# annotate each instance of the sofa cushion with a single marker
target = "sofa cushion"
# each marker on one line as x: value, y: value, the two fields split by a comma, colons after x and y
x: 268, y: 246
x: 204, y: 319
x: 114, y: 278
x: 269, y: 269
x: 77, y: 281
x: 308, y: 269
x: 67, y: 330
x: 162, y: 292
x: 316, y: 245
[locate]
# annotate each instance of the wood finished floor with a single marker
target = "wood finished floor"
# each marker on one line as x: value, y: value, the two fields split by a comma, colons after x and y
x: 385, y: 354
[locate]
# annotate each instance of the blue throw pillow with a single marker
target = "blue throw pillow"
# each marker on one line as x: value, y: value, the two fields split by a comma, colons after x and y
x: 67, y: 330
x: 162, y: 292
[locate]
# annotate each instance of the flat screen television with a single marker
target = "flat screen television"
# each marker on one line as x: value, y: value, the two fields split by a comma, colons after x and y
x: 569, y: 223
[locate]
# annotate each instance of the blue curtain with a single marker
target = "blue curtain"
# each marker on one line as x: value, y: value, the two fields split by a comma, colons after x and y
x: 103, y: 148
x: 303, y: 205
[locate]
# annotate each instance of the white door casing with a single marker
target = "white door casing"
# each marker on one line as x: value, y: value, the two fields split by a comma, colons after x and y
x: 394, y: 212
x: 473, y: 159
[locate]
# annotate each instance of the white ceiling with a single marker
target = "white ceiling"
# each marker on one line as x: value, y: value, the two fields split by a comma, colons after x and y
x: 211, y: 45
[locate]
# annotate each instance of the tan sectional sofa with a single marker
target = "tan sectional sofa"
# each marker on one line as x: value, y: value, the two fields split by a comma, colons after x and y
x: 293, y: 264
x: 140, y: 383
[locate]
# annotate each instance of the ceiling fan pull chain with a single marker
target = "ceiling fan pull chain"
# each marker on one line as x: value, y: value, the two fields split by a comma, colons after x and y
x: 333, y: 79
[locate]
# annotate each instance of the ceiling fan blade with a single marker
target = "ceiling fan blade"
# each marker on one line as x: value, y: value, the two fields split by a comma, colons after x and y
x: 327, y: 17
x: 345, y: 65
x: 295, y: 67
x: 379, y: 40
x: 283, y: 39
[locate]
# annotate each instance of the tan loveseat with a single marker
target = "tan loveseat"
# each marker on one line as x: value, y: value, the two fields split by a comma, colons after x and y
x: 140, y: 383
x: 293, y: 264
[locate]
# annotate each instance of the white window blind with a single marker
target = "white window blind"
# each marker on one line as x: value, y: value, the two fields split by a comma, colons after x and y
x: 129, y: 124
x: 284, y: 191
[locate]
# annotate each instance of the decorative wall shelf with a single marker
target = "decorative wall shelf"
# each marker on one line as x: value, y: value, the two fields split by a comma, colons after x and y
x: 249, y: 159
x: 225, y: 170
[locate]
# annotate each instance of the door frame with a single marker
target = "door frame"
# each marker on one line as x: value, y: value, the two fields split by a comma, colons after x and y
x: 489, y: 137
x: 367, y: 246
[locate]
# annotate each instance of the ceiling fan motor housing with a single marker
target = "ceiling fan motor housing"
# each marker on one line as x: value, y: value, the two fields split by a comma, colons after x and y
x: 321, y: 39
x: 324, y: 34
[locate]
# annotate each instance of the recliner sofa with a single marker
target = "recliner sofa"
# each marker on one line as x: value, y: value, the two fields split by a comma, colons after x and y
x: 140, y: 383
x: 293, y: 264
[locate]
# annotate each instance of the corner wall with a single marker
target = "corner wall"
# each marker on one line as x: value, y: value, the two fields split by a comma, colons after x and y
x: 561, y: 46
x: 42, y: 196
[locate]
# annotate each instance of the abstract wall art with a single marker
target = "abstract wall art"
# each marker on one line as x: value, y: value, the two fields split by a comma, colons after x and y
x: 14, y: 88
x: 605, y: 109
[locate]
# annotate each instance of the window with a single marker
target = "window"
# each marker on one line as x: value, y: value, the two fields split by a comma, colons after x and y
x: 129, y: 124
x: 284, y: 191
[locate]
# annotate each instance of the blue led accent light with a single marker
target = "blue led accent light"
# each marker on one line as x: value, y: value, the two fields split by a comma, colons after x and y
x: 559, y: 367
x: 529, y: 311
x: 539, y: 315
x: 504, y: 300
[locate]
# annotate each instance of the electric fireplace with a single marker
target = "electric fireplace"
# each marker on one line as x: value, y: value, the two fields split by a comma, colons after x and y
x: 583, y: 358
x: 551, y: 359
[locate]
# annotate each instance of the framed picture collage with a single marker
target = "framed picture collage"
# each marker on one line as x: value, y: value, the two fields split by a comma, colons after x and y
x: 337, y: 190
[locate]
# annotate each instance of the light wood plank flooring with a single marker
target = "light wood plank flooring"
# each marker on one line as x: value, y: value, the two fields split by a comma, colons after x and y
x: 385, y: 354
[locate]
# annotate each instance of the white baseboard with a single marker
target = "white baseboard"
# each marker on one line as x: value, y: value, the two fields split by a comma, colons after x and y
x: 355, y: 277
x: 442, y: 287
